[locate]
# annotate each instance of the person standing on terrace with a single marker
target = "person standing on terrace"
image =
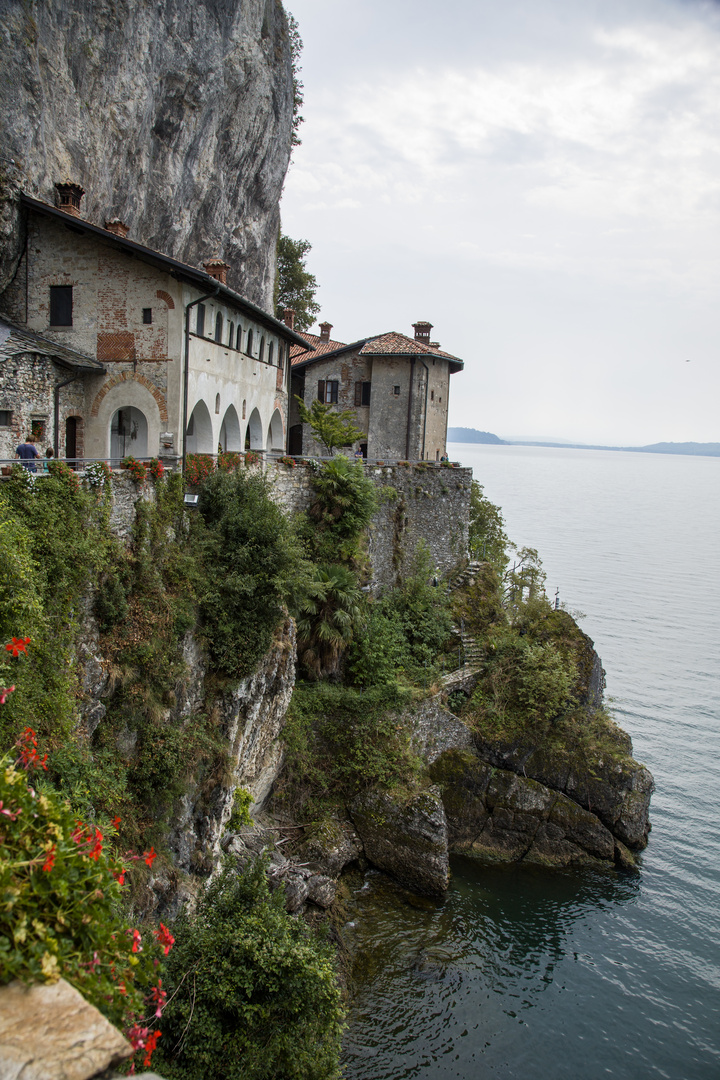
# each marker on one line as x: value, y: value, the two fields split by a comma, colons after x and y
x: 28, y: 452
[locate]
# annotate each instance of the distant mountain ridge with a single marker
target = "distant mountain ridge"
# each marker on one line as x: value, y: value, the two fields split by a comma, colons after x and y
x: 697, y: 449
x: 472, y: 435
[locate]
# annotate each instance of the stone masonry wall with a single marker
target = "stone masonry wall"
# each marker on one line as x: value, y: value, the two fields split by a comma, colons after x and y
x: 416, y: 503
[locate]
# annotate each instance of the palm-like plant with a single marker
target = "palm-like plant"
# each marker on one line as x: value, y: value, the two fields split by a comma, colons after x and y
x: 327, y: 621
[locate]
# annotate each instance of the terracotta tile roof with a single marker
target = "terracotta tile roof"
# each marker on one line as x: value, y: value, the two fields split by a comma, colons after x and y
x: 390, y: 344
x: 394, y: 344
x: 319, y: 347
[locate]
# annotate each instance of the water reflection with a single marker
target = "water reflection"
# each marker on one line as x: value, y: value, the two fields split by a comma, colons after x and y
x: 437, y: 986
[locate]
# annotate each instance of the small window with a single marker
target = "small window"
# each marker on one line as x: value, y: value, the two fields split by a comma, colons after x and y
x: 38, y: 427
x: 396, y: 391
x: 61, y: 305
x: 147, y: 315
x: 249, y: 343
x: 262, y: 349
x: 244, y: 404
x: 217, y: 404
x: 331, y: 392
x: 218, y: 328
x: 200, y: 321
x: 231, y: 335
x: 271, y: 349
x: 432, y: 395
x: 362, y: 393
x: 5, y: 418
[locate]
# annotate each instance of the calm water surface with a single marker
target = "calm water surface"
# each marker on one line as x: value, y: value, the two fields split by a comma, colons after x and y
x: 528, y: 973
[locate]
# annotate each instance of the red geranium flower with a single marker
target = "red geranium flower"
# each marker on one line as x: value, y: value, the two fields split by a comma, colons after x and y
x: 50, y: 860
x: 150, y: 856
x: 18, y: 645
x: 164, y: 937
x: 5, y: 692
x: 150, y: 1045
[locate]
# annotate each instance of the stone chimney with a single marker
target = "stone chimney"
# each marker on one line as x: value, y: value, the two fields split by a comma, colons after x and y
x: 67, y: 197
x: 422, y: 331
x: 117, y: 227
x: 289, y: 317
x: 217, y: 269
x: 325, y: 328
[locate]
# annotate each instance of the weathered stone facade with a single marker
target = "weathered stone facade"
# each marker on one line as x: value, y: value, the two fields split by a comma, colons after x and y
x: 125, y: 314
x: 398, y: 388
x: 420, y: 503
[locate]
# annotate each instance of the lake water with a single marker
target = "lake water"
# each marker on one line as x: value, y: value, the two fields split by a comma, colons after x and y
x: 529, y: 973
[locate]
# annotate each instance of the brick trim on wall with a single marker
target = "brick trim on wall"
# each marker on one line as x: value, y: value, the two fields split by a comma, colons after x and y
x: 128, y: 376
x: 162, y: 295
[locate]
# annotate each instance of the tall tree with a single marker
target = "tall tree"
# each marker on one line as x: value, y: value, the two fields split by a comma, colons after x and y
x: 295, y: 286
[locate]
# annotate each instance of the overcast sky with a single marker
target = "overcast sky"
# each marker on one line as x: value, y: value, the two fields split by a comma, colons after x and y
x: 540, y: 179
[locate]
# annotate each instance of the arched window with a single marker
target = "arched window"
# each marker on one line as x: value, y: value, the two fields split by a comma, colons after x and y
x: 231, y: 335
x: 238, y: 343
x: 271, y: 349
x: 249, y: 343
x: 262, y: 349
x: 244, y: 404
x: 218, y: 327
x: 280, y: 357
x: 217, y: 403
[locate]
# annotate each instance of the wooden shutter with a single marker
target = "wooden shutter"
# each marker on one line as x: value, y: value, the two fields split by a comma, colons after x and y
x: 321, y: 391
x: 358, y: 393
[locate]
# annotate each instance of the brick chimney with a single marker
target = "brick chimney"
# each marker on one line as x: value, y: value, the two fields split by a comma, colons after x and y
x: 289, y: 317
x: 67, y: 197
x: 325, y: 328
x: 117, y: 227
x: 217, y: 269
x: 422, y: 331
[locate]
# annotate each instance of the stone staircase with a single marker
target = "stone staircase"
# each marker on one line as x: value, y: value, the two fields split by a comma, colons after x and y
x: 470, y: 651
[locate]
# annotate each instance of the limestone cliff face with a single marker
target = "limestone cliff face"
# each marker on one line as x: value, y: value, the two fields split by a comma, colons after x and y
x: 175, y: 117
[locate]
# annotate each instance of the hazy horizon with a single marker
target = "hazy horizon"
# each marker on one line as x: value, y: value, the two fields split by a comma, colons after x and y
x: 539, y: 180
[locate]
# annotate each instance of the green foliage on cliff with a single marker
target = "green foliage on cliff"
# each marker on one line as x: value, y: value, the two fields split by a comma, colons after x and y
x: 339, y: 740
x: 253, y: 993
x: 252, y: 567
x: 53, y: 538
x: 487, y: 537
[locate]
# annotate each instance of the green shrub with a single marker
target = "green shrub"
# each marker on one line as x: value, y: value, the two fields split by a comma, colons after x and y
x: 253, y: 993
x: 340, y: 740
x: 252, y: 567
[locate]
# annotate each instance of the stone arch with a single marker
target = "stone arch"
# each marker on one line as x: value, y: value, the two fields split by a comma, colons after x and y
x: 199, y: 435
x: 125, y: 392
x: 276, y: 434
x: 130, y: 376
x: 254, y: 432
x: 230, y: 435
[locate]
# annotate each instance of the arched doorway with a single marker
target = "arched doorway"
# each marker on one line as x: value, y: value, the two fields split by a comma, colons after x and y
x: 254, y: 432
x: 276, y: 435
x: 199, y: 435
x: 74, y: 442
x: 128, y: 433
x: 230, y: 437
